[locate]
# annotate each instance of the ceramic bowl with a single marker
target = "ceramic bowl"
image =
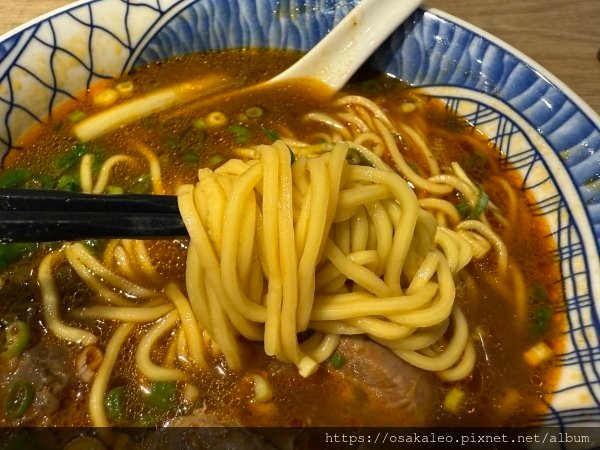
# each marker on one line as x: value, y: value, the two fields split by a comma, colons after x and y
x: 541, y: 127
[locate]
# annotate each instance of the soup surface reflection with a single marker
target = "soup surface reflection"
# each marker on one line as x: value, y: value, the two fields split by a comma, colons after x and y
x: 513, y: 317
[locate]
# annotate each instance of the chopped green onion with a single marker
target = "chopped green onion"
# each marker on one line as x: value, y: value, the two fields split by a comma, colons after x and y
x: 541, y: 320
x: 454, y: 123
x: 241, y: 134
x: 16, y: 338
x: 190, y: 138
x: 254, y: 112
x: 19, y: 397
x: 272, y: 135
x: 337, y: 360
x: 161, y: 395
x: 98, y: 160
x: 172, y: 142
x: 414, y: 167
x: 353, y: 157
x: 114, y: 190
x: 474, y: 160
x: 538, y: 293
x: 148, y: 419
x: 70, y: 158
x: 46, y: 181
x: 114, y: 404
x: 190, y: 158
x: 463, y: 208
x: 9, y: 253
x: 76, y: 116
x: 14, y: 177
x: 68, y: 183
x: 141, y: 186
x: 39, y: 182
x: 215, y: 160
x: 93, y: 244
x: 480, y: 206
x: 199, y: 124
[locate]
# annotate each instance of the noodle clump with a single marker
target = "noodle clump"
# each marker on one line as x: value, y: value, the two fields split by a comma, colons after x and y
x: 342, y: 249
x: 291, y: 237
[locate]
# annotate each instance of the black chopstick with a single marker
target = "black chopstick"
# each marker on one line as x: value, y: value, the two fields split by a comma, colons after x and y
x: 46, y: 216
x: 45, y: 200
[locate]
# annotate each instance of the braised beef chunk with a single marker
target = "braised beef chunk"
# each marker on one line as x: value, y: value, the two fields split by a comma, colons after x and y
x: 46, y: 368
x: 379, y: 376
x: 201, y: 431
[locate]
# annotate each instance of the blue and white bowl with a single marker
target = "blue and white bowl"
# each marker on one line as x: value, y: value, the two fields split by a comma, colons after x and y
x: 543, y: 129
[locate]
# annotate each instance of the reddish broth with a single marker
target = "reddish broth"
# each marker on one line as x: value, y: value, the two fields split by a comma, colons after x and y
x: 324, y: 398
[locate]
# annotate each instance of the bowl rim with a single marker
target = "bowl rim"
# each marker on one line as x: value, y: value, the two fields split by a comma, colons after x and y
x: 591, y: 114
x: 534, y: 65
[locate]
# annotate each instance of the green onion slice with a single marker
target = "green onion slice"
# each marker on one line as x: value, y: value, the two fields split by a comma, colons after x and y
x: 337, y: 360
x: 240, y: 133
x: 215, y: 159
x: 69, y: 159
x: 113, y: 403
x: 14, y: 177
x: 10, y: 253
x: 199, y: 124
x: 17, y: 338
x: 190, y: 158
x: 114, y: 190
x: 161, y: 395
x: 353, y: 157
x: 254, y: 112
x: 272, y: 135
x: 68, y: 183
x: 538, y: 293
x: 480, y: 206
x: 76, y: 116
x: 541, y: 320
x: 414, y: 168
x: 20, y: 395
x: 463, y: 208
x: 141, y: 186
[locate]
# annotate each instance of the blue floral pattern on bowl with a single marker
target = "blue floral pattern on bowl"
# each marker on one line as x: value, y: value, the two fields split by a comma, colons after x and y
x: 541, y: 128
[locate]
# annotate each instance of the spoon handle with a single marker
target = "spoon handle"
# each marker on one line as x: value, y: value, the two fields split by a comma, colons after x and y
x: 339, y: 54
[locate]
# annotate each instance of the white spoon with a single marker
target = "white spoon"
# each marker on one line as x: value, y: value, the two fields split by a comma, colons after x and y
x: 347, y: 46
x: 332, y: 61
